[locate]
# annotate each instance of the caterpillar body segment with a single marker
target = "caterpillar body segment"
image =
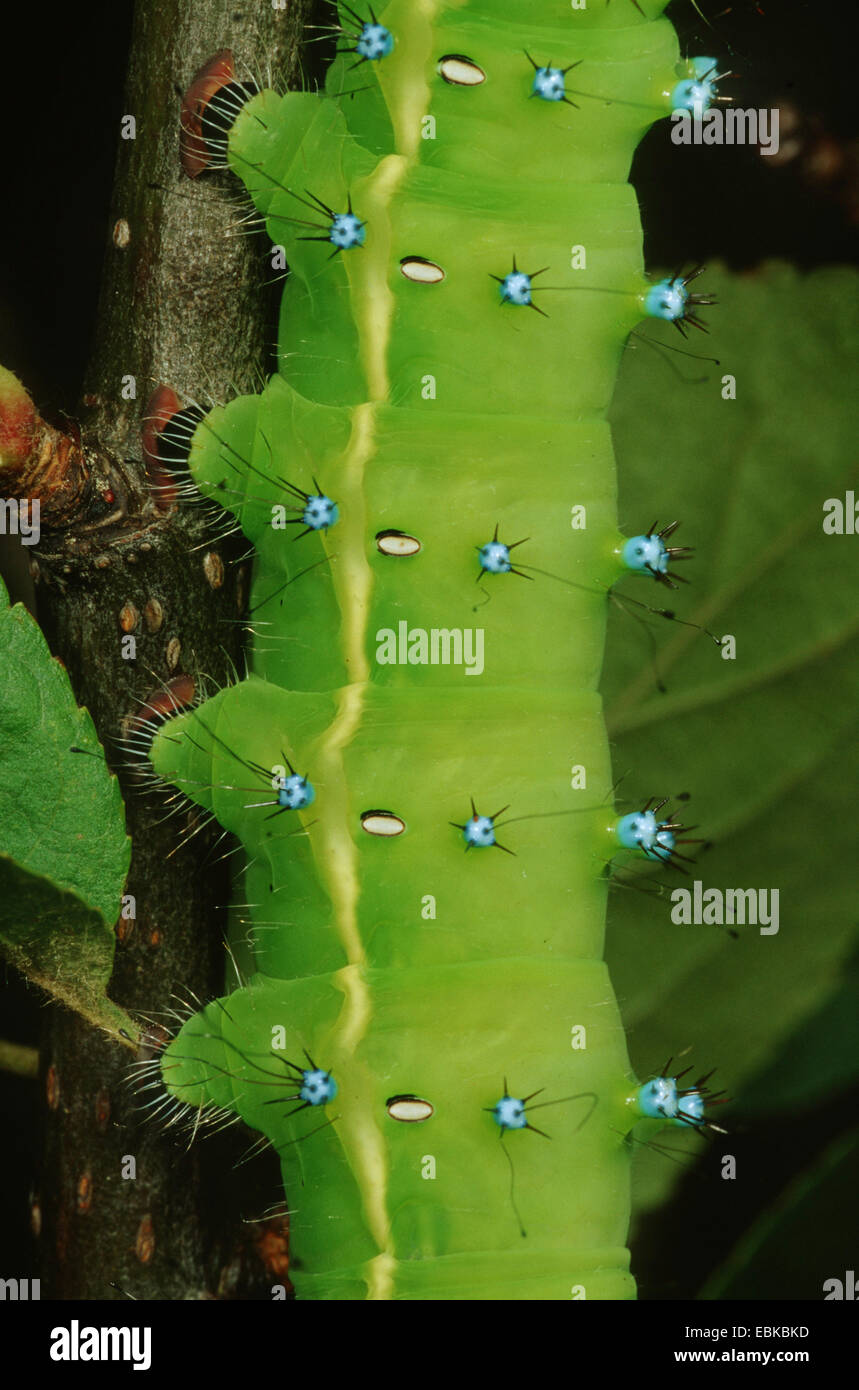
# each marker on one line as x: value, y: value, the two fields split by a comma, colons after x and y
x: 343, y: 1235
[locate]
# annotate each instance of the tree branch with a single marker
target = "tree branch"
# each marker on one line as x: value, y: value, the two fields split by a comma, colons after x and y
x: 183, y: 303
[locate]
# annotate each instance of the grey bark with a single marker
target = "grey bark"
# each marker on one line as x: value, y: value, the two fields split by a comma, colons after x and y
x: 184, y: 303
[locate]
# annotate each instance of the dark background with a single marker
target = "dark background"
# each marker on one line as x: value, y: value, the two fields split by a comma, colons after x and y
x: 63, y: 83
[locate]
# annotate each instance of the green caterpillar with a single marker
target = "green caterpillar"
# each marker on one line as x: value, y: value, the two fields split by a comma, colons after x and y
x: 425, y: 431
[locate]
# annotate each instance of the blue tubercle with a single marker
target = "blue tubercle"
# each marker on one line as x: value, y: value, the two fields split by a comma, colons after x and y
x: 650, y: 554
x: 318, y: 1087
x: 295, y: 792
x: 479, y: 832
x: 671, y: 299
x: 702, y: 67
x: 690, y: 1109
x: 662, y: 1099
x: 657, y: 1099
x: 549, y: 84
x: 374, y: 42
x: 667, y: 299
x: 696, y: 94
x: 495, y: 557
x: 516, y: 288
x: 320, y: 512
x: 347, y: 231
x: 641, y: 830
x: 509, y: 1113
x: 646, y: 554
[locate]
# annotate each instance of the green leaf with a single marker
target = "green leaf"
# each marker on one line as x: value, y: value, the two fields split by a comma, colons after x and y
x: 766, y: 744
x: 61, y: 944
x: 64, y: 853
x: 820, y: 1057
x: 800, y: 1219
